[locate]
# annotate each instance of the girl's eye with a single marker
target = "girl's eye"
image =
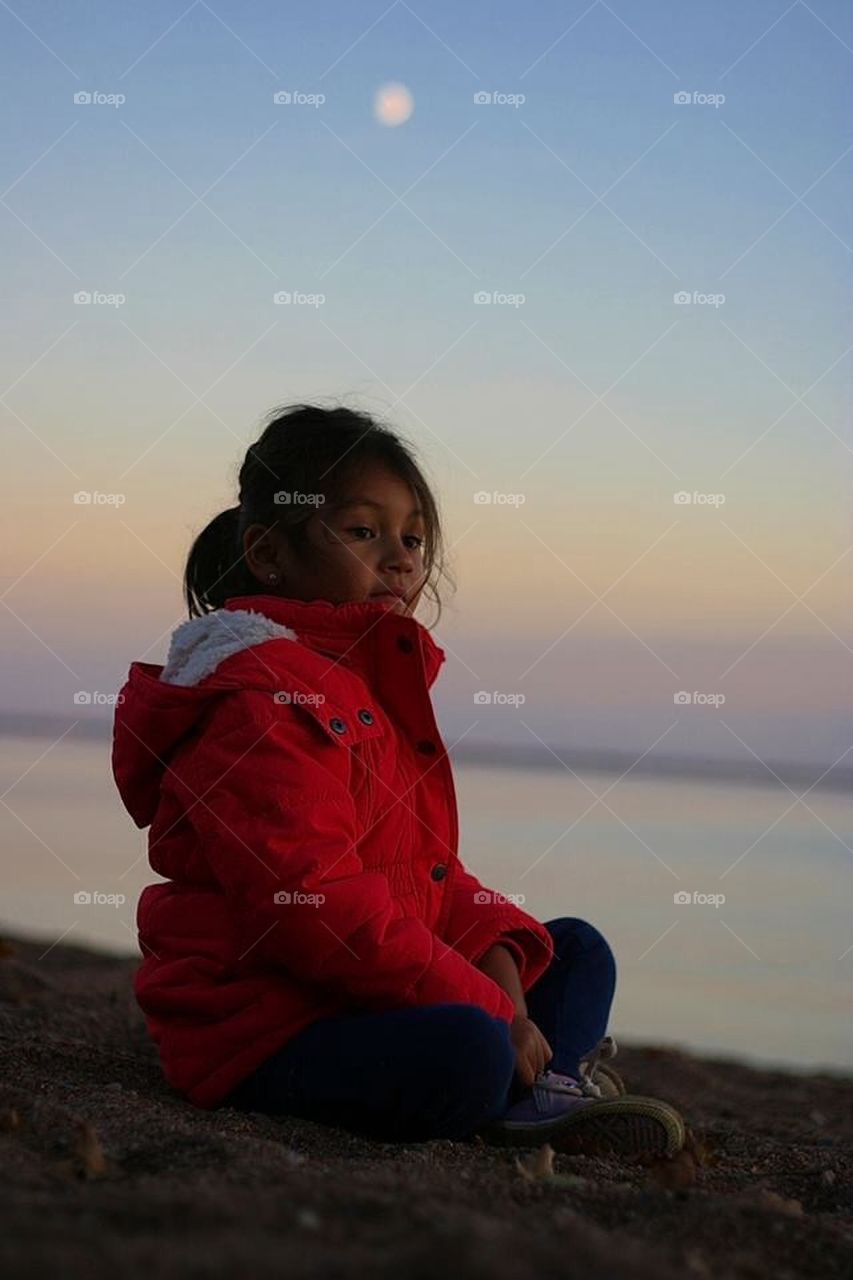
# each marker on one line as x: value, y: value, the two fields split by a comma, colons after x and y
x: 413, y: 538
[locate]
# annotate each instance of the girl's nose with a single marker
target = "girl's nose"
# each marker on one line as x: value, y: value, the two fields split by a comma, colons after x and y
x: 399, y: 556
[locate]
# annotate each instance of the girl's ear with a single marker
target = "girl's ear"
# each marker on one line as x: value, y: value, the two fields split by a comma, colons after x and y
x: 263, y: 553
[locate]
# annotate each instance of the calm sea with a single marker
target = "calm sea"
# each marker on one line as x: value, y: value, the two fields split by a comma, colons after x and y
x: 756, y: 964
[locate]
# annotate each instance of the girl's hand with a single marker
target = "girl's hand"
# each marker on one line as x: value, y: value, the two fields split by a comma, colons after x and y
x: 532, y: 1050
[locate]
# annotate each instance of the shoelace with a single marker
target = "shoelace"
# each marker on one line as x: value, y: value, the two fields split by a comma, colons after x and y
x: 584, y: 1087
x: 606, y: 1048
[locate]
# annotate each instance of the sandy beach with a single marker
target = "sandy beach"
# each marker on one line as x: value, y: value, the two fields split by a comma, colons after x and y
x: 106, y: 1171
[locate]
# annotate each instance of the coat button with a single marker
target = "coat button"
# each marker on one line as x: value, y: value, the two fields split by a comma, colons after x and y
x: 338, y: 724
x: 439, y: 871
x: 404, y: 644
x: 365, y: 716
x: 426, y: 747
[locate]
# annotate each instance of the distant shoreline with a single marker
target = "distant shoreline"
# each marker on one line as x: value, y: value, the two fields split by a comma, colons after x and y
x: 670, y: 768
x: 749, y: 772
x: 92, y: 952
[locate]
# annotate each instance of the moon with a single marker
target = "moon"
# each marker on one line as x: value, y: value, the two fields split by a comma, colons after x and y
x: 393, y: 104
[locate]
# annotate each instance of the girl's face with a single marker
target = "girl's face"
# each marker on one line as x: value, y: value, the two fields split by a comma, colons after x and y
x: 367, y: 547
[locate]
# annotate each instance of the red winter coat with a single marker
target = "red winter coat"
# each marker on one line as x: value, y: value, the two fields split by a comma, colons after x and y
x: 303, y: 814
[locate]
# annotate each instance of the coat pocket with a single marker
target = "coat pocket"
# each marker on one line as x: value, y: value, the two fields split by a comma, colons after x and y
x: 359, y: 728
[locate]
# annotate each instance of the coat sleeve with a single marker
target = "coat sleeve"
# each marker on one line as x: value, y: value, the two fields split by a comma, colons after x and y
x: 479, y: 918
x: 277, y: 827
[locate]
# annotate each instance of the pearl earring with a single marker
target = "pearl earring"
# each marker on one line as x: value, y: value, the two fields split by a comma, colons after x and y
x: 273, y: 577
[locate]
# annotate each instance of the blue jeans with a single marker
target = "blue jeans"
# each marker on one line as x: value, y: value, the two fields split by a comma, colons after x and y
x: 436, y: 1071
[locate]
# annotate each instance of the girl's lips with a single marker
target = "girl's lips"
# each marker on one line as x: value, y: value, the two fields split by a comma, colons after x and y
x: 391, y: 598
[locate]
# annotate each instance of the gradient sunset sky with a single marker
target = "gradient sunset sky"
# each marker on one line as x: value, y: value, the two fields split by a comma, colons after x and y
x: 583, y: 386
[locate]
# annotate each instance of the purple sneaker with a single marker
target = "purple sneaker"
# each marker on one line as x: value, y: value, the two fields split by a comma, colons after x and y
x: 572, y: 1116
x: 551, y: 1094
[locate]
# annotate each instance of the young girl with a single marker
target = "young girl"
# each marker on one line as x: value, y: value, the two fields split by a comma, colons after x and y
x: 315, y: 946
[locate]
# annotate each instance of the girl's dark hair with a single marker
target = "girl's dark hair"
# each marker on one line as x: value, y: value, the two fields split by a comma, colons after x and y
x: 304, y: 449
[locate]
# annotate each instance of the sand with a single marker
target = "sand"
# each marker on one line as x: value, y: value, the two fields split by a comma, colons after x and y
x: 107, y: 1172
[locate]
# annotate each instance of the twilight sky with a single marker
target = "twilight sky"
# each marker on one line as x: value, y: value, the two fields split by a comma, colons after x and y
x: 582, y: 200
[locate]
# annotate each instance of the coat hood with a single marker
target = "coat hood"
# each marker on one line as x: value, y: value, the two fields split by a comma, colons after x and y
x: 250, y: 643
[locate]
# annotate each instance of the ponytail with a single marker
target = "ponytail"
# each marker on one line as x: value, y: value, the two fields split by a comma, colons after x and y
x: 215, y: 567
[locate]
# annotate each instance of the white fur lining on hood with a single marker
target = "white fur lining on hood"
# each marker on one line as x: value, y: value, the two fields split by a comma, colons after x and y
x: 200, y: 644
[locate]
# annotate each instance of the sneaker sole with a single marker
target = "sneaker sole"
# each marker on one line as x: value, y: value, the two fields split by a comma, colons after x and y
x: 625, y: 1127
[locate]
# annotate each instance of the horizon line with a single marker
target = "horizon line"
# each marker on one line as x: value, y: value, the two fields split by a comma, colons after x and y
x: 507, y: 755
